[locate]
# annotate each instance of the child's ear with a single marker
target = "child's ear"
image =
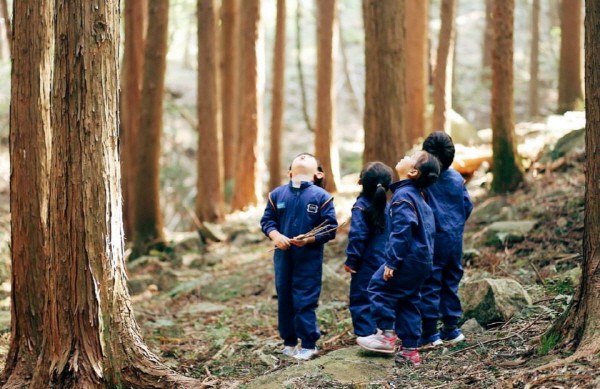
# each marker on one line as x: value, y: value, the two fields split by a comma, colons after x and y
x: 319, y: 175
x: 360, y: 181
x: 413, y: 174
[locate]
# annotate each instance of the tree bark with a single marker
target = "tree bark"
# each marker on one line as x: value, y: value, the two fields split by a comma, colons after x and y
x: 416, y: 25
x: 6, y: 16
x: 384, y: 123
x: 230, y: 40
x: 534, y: 59
x: 506, y: 168
x: 29, y: 160
x: 570, y: 92
x: 275, y: 166
x: 148, y: 218
x: 136, y: 20
x: 247, y: 180
x: 209, y: 194
x: 325, y: 140
x: 442, y: 76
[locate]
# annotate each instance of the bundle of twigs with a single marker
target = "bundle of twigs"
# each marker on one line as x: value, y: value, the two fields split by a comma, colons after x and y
x: 318, y: 230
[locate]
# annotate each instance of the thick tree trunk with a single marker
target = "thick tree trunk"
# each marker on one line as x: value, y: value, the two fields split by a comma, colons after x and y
x: 148, y: 218
x: 136, y: 20
x: 507, y: 169
x: 209, y: 194
x: 247, y: 180
x: 277, y: 105
x: 230, y: 40
x: 416, y: 25
x: 325, y: 141
x: 534, y: 59
x: 90, y: 337
x: 442, y: 76
x: 570, y: 92
x: 29, y: 161
x: 6, y: 16
x: 385, y: 135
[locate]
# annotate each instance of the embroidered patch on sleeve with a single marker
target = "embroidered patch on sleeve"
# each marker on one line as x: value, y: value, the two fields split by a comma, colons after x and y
x: 281, y: 205
x: 312, y: 208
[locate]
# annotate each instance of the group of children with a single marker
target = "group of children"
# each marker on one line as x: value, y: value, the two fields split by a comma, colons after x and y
x: 404, y: 255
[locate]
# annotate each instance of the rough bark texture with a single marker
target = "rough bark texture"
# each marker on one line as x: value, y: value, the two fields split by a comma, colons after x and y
x: 325, y: 140
x: 209, y: 195
x: 534, y: 102
x: 416, y: 25
x: 277, y: 107
x: 136, y: 20
x: 385, y: 137
x: 6, y: 16
x: 506, y: 168
x: 247, y: 181
x: 230, y: 39
x: 442, y: 76
x: 29, y: 161
x: 148, y: 218
x: 570, y: 86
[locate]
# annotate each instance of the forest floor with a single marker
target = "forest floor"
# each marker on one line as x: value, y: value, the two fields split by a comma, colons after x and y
x: 210, y: 312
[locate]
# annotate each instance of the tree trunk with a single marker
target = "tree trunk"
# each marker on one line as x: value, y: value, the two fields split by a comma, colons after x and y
x: 6, y: 16
x: 275, y: 167
x: 385, y: 137
x: 247, y: 180
x: 136, y: 15
x: 90, y: 337
x: 416, y: 26
x: 487, y: 43
x: 570, y: 93
x: 534, y: 59
x: 507, y: 169
x: 325, y: 141
x: 29, y: 161
x: 209, y: 195
x: 148, y: 218
x: 230, y: 39
x: 442, y: 76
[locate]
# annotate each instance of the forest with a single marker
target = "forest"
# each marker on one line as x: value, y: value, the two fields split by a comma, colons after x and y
x: 187, y: 199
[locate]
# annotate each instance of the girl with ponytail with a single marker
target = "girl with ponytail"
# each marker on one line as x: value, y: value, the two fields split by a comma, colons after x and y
x: 366, y: 242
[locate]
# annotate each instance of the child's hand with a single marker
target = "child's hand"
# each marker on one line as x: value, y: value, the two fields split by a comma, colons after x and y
x: 281, y: 241
x: 387, y: 273
x: 349, y: 269
x: 302, y: 242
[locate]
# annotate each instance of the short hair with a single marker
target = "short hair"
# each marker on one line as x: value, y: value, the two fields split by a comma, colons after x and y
x: 441, y: 146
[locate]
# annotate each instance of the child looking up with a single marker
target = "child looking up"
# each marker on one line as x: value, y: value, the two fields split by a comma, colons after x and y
x: 395, y: 287
x: 451, y: 205
x: 366, y: 242
x: 293, y: 209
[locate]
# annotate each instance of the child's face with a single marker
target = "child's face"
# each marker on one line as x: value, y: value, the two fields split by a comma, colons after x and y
x: 406, y: 166
x: 304, y: 168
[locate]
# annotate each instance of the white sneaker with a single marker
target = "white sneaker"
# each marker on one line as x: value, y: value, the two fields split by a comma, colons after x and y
x: 290, y: 351
x: 306, y: 353
x: 378, y: 343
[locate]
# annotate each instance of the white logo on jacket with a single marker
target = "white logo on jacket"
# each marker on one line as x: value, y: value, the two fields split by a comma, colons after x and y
x: 312, y: 208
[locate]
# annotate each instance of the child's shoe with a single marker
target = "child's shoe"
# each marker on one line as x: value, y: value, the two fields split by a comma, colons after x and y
x: 452, y: 335
x: 306, y: 353
x: 378, y: 342
x: 407, y: 355
x: 289, y: 351
x: 432, y: 341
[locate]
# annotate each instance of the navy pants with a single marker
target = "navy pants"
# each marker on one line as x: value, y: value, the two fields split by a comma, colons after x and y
x: 298, y: 274
x: 439, y: 294
x: 360, y: 303
x: 395, y: 302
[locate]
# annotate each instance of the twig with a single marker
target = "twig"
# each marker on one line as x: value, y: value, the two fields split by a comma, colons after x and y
x: 537, y: 273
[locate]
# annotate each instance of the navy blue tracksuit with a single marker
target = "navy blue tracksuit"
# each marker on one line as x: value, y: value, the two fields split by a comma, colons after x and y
x: 298, y: 270
x: 365, y: 254
x: 451, y: 205
x: 409, y: 251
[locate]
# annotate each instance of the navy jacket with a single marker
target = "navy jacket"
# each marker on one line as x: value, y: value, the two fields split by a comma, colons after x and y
x: 450, y: 203
x: 365, y: 247
x: 411, y: 225
x: 294, y: 211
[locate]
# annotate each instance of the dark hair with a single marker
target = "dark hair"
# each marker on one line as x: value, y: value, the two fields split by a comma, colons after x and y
x: 320, y: 182
x: 376, y: 178
x: 429, y: 167
x: 440, y: 145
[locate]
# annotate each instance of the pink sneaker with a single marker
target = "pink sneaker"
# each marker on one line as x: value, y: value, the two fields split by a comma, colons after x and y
x: 378, y: 343
x: 410, y: 356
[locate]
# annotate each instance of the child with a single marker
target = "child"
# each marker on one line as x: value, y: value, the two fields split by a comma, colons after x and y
x: 451, y: 206
x: 366, y: 242
x: 395, y: 287
x: 294, y: 209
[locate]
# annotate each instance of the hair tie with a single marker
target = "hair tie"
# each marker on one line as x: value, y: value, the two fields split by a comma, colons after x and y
x: 379, y: 185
